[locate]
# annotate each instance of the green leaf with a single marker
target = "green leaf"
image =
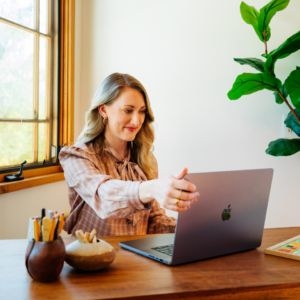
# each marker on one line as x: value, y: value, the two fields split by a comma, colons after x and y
x: 266, y: 14
x: 283, y: 147
x: 256, y: 63
x: 249, y: 13
x: 250, y: 16
x: 292, y: 123
x: 289, y: 46
x: 292, y: 85
x: 248, y: 83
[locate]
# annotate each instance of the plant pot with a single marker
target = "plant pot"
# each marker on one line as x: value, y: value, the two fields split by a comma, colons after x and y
x: 44, y: 260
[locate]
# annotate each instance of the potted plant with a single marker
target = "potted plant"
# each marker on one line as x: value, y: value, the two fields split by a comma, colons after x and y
x: 286, y: 92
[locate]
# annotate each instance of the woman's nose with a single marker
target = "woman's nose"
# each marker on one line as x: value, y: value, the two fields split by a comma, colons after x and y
x: 136, y: 119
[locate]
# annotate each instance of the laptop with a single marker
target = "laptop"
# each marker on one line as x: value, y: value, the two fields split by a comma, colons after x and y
x: 228, y: 218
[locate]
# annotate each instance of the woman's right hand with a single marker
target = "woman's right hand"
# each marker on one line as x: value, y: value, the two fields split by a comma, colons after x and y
x: 174, y: 193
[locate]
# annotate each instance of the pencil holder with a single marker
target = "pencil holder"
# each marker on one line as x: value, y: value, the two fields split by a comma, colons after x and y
x: 44, y: 260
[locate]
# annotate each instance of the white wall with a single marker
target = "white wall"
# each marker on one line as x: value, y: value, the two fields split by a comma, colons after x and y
x: 182, y: 51
x: 16, y: 208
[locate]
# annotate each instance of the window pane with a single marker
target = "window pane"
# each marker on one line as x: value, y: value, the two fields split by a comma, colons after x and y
x: 16, y: 65
x: 28, y: 83
x: 19, y: 142
x: 43, y: 136
x: 16, y: 143
x: 44, y: 78
x: 45, y: 13
x: 18, y: 11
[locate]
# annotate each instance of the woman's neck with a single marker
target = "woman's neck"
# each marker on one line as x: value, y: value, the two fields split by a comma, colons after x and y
x: 118, y: 149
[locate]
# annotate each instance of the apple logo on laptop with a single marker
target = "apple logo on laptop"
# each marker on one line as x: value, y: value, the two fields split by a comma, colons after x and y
x: 226, y: 214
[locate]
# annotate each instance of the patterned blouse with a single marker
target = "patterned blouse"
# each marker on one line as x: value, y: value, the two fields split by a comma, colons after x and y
x: 104, y: 194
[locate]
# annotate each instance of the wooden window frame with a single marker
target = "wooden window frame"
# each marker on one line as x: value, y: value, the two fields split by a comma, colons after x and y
x: 44, y: 175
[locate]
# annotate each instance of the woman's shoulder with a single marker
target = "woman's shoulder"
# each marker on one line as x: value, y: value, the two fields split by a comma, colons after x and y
x: 81, y: 149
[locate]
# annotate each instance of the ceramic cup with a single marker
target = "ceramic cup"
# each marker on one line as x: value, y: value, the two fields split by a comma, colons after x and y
x: 44, y: 260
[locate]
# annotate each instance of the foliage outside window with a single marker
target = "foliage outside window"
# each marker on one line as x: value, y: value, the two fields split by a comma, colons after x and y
x: 36, y: 87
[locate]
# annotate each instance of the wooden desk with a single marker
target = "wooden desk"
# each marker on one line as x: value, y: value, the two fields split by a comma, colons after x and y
x: 248, y: 275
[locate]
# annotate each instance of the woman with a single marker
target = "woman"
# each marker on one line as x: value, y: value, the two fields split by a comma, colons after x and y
x: 111, y: 170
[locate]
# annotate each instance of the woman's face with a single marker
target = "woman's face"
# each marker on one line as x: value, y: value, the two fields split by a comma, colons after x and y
x: 125, y: 116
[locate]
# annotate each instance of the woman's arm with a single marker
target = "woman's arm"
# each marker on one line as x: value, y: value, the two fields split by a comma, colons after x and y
x: 108, y: 197
x: 174, y: 193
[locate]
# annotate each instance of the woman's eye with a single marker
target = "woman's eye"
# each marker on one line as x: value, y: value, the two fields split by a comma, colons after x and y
x: 128, y: 111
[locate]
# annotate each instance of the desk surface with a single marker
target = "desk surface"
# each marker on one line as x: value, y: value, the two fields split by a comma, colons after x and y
x: 247, y: 275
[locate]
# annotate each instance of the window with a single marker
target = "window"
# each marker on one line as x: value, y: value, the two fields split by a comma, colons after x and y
x: 36, y: 88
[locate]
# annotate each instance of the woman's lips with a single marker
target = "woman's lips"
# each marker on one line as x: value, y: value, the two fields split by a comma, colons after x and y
x: 131, y: 129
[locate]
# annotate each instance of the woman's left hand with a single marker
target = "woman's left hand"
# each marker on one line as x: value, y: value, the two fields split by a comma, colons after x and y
x: 174, y: 193
x: 182, y: 193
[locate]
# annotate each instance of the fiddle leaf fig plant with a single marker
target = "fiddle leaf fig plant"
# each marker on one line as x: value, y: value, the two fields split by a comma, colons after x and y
x: 285, y: 91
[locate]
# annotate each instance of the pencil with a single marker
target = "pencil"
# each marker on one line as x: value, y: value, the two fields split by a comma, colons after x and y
x: 36, y: 229
x: 61, y: 222
x: 52, y: 228
x: 46, y: 228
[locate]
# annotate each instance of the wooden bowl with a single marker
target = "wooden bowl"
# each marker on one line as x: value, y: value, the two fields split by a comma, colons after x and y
x: 90, y: 256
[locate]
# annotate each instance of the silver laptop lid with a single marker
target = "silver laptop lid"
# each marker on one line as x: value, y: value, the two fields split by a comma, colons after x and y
x: 228, y: 218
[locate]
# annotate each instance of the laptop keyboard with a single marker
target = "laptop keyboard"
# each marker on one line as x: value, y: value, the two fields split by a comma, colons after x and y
x: 166, y: 249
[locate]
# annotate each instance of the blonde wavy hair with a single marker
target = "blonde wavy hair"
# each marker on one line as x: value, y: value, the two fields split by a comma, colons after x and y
x: 106, y: 93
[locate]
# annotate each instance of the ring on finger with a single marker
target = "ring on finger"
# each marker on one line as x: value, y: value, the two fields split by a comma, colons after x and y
x: 180, y: 193
x: 177, y: 203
